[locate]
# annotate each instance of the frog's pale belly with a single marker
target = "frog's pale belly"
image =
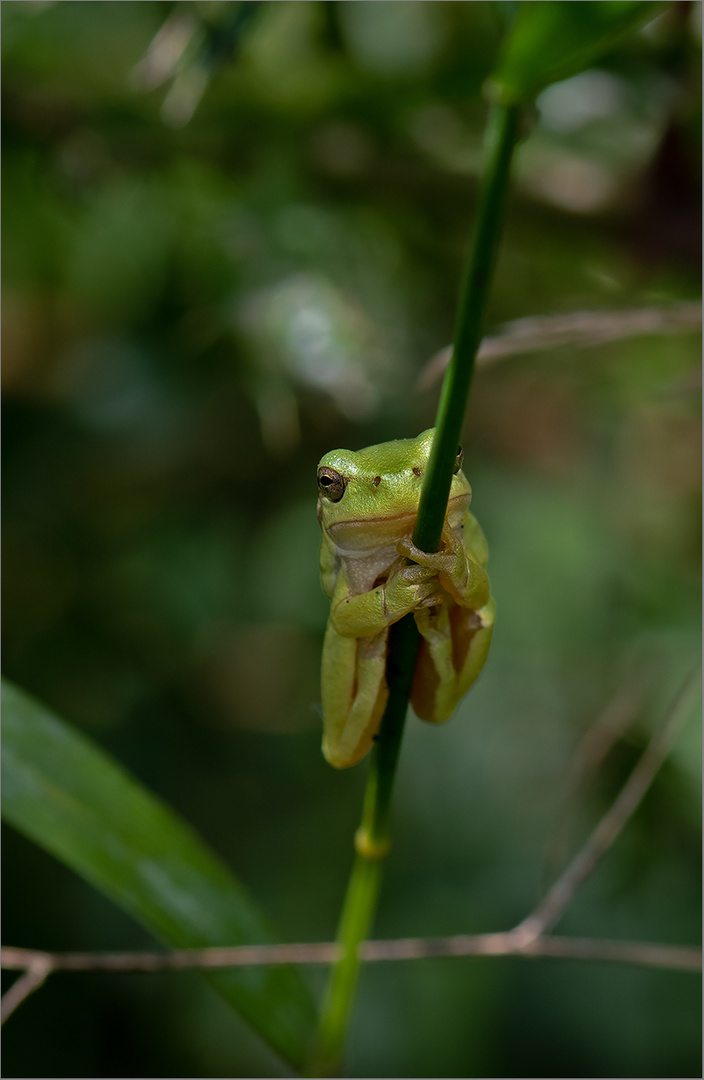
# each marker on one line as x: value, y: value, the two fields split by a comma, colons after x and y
x: 365, y: 569
x: 368, y: 567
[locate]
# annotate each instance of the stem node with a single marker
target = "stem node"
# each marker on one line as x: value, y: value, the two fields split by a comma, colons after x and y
x: 368, y: 848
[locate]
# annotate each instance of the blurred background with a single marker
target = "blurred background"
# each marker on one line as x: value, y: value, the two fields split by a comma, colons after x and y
x: 232, y: 240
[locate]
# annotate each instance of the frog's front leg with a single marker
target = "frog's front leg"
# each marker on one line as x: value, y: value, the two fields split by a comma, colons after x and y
x: 461, y: 576
x: 365, y: 614
x: 354, y: 688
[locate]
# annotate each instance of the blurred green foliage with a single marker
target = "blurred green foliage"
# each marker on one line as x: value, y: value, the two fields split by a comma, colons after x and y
x: 230, y: 244
x: 549, y: 42
x: 62, y: 792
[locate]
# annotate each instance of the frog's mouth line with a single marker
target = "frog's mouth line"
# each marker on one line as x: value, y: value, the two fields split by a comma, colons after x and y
x: 389, y: 527
x: 370, y: 522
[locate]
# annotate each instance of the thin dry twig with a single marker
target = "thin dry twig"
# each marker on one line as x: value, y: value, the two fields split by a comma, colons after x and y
x: 506, y: 943
x: 38, y: 968
x: 512, y: 943
x: 581, y: 329
x: 595, y: 745
x: 528, y: 939
x: 550, y: 909
x: 176, y: 960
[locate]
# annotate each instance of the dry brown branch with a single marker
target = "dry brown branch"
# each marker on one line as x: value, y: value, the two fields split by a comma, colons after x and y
x: 37, y: 969
x: 550, y: 909
x: 581, y: 329
x: 528, y: 939
x: 507, y: 943
x: 595, y: 745
x: 176, y: 960
x: 512, y: 943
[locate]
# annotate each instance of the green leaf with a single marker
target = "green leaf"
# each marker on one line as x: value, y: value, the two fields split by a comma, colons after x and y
x: 553, y: 39
x: 68, y: 796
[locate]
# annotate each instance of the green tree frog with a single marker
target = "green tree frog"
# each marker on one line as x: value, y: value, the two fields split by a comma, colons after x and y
x: 367, y: 507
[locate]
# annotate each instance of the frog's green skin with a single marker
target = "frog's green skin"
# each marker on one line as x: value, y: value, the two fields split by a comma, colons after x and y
x: 367, y: 510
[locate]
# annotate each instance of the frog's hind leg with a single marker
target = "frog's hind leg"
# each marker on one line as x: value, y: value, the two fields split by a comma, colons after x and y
x: 354, y: 695
x: 454, y: 646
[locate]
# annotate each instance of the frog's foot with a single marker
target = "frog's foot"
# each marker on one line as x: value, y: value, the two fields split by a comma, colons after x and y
x: 408, y: 588
x: 450, y: 560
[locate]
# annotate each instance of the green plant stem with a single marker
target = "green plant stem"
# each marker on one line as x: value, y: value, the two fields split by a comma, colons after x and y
x: 502, y: 131
x: 373, y: 838
x: 372, y: 843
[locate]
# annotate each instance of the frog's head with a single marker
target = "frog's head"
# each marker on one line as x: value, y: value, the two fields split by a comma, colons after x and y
x: 370, y: 497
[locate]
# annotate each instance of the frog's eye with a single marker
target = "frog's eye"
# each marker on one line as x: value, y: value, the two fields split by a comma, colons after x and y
x: 331, y: 484
x: 458, y: 460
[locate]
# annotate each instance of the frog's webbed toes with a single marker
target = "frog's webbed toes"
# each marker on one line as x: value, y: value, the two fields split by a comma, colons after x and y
x: 408, y: 549
x: 434, y: 562
x: 406, y: 589
x: 417, y: 574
